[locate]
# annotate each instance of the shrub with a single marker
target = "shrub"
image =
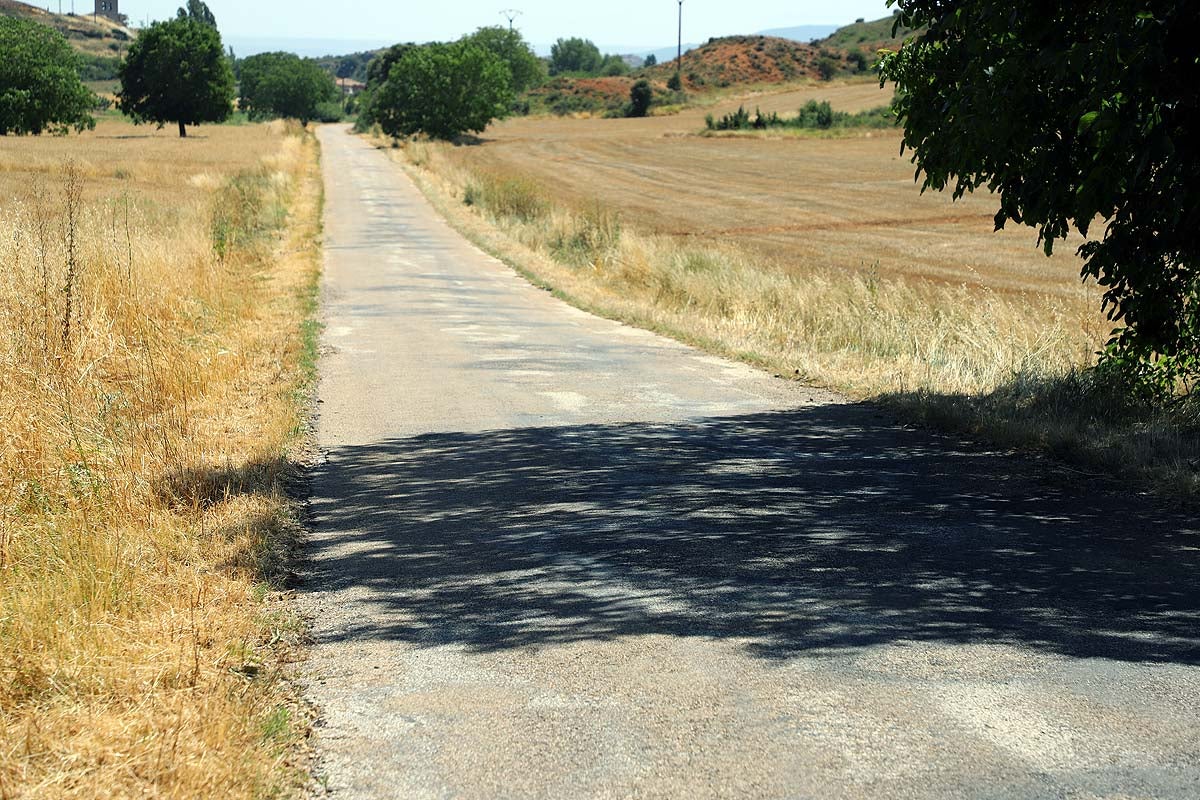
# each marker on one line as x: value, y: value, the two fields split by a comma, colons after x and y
x: 329, y: 112
x: 816, y: 115
x: 640, y: 98
x: 827, y: 67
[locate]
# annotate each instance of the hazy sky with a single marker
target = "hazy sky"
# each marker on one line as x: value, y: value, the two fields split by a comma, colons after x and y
x: 627, y: 22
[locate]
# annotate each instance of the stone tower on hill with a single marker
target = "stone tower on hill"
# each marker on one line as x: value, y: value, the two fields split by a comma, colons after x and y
x: 108, y: 8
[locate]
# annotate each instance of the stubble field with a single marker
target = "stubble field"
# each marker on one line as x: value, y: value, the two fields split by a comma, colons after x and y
x: 836, y: 203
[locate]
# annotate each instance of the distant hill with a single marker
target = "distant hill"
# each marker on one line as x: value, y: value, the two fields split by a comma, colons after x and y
x: 100, y: 42
x: 95, y: 36
x: 720, y: 63
x: 741, y: 60
x: 867, y: 36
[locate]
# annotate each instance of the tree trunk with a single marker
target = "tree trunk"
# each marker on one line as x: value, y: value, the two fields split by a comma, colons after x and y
x: 182, y: 131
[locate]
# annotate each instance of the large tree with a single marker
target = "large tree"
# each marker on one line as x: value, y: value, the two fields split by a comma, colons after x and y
x: 1078, y: 115
x: 176, y: 71
x: 40, y: 88
x: 443, y: 90
x: 509, y: 46
x: 378, y: 70
x: 285, y: 85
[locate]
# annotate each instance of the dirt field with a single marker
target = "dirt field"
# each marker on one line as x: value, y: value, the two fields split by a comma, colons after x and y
x: 845, y: 204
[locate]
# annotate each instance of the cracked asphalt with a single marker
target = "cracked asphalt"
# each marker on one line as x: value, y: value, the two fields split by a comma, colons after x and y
x: 557, y: 557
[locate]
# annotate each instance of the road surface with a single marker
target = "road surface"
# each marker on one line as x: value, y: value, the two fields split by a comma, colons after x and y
x: 557, y: 557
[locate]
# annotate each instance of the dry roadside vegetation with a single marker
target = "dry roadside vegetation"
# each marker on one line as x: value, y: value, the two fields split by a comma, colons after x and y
x: 155, y: 346
x: 814, y: 258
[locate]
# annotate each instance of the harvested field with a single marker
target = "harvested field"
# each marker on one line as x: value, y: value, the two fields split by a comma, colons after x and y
x: 842, y: 204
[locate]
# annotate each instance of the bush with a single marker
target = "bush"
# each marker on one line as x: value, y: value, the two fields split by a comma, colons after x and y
x: 613, y: 66
x: 816, y: 115
x: 827, y: 67
x: 640, y: 98
x: 329, y: 112
x: 674, y: 83
x: 813, y: 116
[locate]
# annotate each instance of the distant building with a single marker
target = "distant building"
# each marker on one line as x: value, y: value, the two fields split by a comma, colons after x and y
x: 350, y: 87
x: 108, y: 8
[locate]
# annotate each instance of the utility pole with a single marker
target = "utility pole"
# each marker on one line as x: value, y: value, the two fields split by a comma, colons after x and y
x: 511, y: 15
x: 679, y: 52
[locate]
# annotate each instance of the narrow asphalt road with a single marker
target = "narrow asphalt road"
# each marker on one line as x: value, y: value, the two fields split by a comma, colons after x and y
x: 557, y: 557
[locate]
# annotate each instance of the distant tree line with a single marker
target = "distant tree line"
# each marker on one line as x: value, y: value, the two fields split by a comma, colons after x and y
x: 581, y: 57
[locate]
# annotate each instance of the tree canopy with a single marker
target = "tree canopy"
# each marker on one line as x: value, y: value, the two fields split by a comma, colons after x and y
x: 40, y: 88
x: 199, y: 11
x: 575, y: 55
x: 443, y: 90
x: 526, y: 69
x: 285, y: 85
x: 1078, y: 115
x: 176, y: 71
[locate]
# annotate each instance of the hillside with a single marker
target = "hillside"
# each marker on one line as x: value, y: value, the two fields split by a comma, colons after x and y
x: 98, y: 39
x: 866, y: 36
x: 741, y: 60
x: 729, y: 62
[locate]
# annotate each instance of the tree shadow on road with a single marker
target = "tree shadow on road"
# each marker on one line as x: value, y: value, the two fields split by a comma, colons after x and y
x: 802, y: 532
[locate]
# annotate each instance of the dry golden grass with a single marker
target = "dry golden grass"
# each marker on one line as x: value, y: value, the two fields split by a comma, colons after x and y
x: 149, y: 392
x: 860, y: 331
x: 876, y: 291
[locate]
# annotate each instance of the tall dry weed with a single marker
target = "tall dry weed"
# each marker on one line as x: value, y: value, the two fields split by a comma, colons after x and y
x: 146, y: 404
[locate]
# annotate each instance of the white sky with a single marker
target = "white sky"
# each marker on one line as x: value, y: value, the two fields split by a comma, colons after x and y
x: 649, y: 23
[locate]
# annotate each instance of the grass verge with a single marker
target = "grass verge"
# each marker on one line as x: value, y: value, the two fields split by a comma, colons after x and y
x: 1009, y: 368
x: 154, y: 327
